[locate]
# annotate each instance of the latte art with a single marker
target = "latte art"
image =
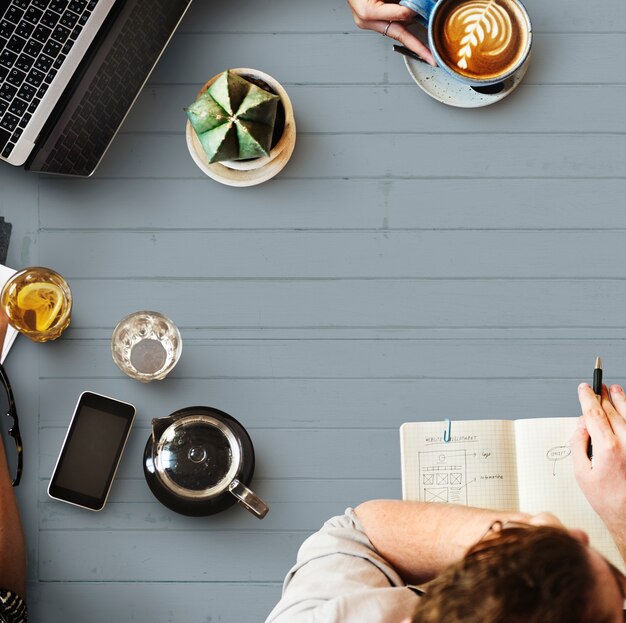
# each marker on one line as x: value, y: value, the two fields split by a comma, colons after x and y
x: 481, y: 39
x: 485, y: 24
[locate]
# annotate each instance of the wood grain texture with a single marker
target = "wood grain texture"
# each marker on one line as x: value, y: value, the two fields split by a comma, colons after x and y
x: 412, y: 262
x: 567, y: 156
x: 329, y: 403
x: 197, y: 556
x: 547, y: 109
x: 241, y: 307
x: 331, y: 16
x: 339, y: 204
x: 566, y: 58
x: 158, y: 602
x: 323, y: 358
x: 337, y: 255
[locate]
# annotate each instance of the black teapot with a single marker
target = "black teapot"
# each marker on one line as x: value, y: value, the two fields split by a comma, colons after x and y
x: 199, y: 461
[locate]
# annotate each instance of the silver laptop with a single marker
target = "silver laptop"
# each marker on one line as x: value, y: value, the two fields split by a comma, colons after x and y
x: 70, y: 71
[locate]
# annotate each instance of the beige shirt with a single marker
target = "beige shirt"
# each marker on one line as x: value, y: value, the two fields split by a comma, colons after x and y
x: 340, y: 577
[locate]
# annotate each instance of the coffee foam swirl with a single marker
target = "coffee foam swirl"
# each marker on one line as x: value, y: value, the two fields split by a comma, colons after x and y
x: 481, y: 38
x: 487, y: 29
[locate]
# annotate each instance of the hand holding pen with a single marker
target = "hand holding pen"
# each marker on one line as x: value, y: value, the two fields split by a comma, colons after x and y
x: 603, y: 480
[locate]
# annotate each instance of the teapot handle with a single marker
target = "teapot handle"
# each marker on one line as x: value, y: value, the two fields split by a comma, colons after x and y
x: 248, y: 499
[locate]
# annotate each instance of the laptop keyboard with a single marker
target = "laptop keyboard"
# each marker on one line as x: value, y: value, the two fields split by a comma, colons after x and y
x: 35, y: 38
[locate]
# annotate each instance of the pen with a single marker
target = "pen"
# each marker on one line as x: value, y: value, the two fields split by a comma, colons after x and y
x: 597, y: 377
x: 400, y: 49
x: 597, y: 390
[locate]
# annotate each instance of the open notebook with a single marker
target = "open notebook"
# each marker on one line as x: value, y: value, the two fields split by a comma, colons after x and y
x: 521, y: 465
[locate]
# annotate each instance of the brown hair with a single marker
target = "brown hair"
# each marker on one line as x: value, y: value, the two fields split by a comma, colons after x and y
x: 520, y: 575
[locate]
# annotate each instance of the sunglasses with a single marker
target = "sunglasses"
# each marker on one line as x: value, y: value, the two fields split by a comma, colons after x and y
x: 11, y: 428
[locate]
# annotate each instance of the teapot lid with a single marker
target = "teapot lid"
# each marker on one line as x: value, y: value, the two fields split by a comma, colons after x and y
x: 197, y: 456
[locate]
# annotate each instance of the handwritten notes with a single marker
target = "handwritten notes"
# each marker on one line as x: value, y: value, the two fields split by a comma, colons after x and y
x: 522, y: 465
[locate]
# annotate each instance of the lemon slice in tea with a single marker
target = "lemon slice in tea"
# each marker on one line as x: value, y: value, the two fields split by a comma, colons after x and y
x: 44, y: 299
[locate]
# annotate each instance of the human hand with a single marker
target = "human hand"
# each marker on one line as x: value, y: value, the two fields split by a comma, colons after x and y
x: 603, y: 479
x: 390, y: 19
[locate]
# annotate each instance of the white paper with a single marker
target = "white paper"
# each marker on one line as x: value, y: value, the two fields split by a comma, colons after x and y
x: 547, y: 483
x: 5, y: 274
x: 477, y: 467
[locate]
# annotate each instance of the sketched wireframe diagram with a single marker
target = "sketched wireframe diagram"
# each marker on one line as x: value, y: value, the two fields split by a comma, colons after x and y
x: 443, y: 476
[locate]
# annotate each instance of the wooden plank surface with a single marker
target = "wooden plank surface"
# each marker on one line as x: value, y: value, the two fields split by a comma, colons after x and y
x: 337, y: 255
x: 131, y: 204
x: 477, y: 358
x: 542, y: 106
x: 328, y: 403
x: 331, y: 16
x: 101, y: 602
x: 297, y: 505
x: 104, y: 556
x: 567, y: 156
x: 240, y: 307
x: 413, y: 261
x: 566, y: 58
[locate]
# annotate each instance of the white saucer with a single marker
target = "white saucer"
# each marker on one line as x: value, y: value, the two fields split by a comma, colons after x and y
x: 444, y: 88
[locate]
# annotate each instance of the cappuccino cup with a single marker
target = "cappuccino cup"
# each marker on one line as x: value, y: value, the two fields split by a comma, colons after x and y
x: 478, y: 42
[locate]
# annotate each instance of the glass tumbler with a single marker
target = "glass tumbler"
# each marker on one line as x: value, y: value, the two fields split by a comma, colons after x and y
x: 146, y: 346
x: 38, y: 303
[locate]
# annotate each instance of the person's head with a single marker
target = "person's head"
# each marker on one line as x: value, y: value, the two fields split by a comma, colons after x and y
x: 527, y: 574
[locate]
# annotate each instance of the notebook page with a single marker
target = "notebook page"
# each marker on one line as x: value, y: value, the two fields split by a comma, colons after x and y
x: 546, y: 480
x: 476, y: 468
x: 5, y: 274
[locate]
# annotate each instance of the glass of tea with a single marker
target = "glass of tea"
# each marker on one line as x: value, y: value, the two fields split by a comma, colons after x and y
x: 146, y: 346
x: 38, y: 303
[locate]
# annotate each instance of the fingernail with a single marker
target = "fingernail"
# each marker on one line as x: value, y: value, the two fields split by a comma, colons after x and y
x: 616, y: 389
x: 583, y: 386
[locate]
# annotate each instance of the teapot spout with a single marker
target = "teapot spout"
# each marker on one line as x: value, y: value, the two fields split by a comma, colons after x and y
x: 159, y: 426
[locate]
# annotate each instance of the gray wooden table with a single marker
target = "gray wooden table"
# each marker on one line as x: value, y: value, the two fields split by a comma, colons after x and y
x: 413, y: 261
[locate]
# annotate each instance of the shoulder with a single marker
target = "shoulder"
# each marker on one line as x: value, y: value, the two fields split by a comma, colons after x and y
x: 339, y: 576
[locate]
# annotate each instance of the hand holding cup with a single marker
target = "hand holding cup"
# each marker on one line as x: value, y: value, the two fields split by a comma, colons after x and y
x: 391, y: 20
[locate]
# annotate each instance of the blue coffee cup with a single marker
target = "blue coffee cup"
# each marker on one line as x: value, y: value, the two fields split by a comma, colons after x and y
x: 476, y: 35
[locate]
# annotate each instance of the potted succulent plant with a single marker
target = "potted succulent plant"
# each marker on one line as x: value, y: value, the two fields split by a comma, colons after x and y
x: 241, y: 128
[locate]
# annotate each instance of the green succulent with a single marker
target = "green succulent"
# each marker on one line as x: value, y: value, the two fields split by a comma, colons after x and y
x: 234, y: 119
